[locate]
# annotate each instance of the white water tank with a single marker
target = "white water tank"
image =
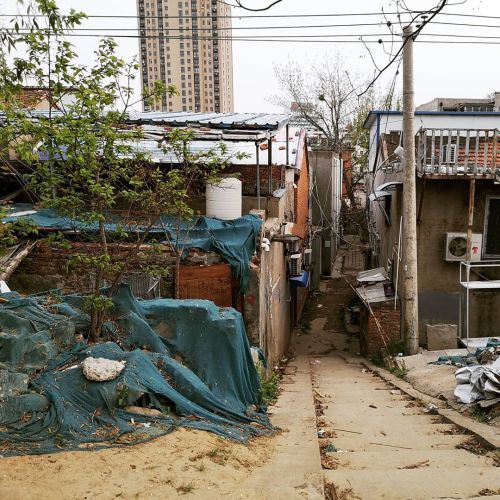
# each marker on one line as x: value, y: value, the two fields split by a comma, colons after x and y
x: 224, y: 199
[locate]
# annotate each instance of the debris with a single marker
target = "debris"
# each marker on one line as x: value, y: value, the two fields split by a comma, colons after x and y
x: 318, y: 393
x: 395, y: 392
x: 424, y: 463
x: 478, y: 382
x: 431, y: 409
x: 319, y: 306
x: 345, y: 430
x: 330, y: 448
x: 101, y: 369
x: 372, y: 406
x: 149, y: 412
x: 392, y: 446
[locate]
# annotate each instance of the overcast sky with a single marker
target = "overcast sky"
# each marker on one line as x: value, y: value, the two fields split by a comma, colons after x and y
x: 441, y: 70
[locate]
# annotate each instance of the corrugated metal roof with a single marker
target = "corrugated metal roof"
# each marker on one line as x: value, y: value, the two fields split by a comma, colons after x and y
x: 155, y: 149
x: 235, y: 121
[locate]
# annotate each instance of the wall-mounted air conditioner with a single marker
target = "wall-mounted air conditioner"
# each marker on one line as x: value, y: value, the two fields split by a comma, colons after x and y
x: 295, y: 264
x: 455, y: 248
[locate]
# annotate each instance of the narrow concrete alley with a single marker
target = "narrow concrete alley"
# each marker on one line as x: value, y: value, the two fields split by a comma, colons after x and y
x: 371, y: 439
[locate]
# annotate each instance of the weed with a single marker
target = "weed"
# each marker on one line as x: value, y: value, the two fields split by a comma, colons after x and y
x: 377, y: 359
x: 185, y: 488
x: 472, y: 445
x: 399, y: 371
x: 219, y: 455
x: 269, y: 385
x: 201, y: 467
x: 479, y: 414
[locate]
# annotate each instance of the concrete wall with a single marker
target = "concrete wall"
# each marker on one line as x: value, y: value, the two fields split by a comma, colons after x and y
x: 267, y: 303
x: 326, y: 204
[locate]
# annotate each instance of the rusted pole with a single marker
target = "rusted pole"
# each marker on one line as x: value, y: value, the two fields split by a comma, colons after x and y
x: 470, y: 220
x: 410, y: 290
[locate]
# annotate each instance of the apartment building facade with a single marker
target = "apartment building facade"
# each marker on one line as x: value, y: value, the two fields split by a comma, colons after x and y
x: 187, y: 44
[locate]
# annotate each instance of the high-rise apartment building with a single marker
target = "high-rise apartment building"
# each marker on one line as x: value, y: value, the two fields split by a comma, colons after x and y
x: 187, y: 44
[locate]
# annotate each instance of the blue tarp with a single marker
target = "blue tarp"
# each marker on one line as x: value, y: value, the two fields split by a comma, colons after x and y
x: 188, y: 359
x: 234, y: 240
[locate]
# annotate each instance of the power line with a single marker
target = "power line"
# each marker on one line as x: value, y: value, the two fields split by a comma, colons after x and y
x: 351, y: 25
x: 266, y: 16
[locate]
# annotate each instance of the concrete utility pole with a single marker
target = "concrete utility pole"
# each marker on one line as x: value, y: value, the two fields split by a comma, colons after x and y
x: 410, y: 289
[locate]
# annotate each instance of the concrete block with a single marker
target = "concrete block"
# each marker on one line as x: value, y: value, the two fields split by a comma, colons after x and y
x: 442, y: 336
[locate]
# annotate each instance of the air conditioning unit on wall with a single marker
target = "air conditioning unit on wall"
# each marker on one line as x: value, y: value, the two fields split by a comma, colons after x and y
x: 455, y: 248
x: 295, y: 264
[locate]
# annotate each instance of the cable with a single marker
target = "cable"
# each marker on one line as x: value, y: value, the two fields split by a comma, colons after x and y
x: 400, y: 50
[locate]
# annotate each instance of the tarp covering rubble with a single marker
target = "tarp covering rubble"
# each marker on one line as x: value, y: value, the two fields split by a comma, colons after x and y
x: 234, y: 240
x: 187, y: 361
x: 478, y: 382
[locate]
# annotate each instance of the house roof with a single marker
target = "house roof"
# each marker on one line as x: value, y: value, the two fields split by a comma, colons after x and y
x: 234, y: 121
x: 372, y: 115
x: 296, y: 139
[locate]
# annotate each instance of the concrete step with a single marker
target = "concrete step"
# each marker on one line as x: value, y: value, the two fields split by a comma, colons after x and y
x: 411, y: 440
x: 414, y: 484
x: 396, y: 459
x: 396, y: 429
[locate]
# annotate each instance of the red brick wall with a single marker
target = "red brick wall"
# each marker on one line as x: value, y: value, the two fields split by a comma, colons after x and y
x: 248, y: 176
x: 389, y: 320
x: 347, y: 171
x: 301, y: 197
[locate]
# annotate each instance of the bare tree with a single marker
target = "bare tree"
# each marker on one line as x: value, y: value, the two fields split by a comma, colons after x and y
x: 323, y: 95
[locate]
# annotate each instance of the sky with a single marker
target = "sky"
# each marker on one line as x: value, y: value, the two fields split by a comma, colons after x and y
x: 440, y: 69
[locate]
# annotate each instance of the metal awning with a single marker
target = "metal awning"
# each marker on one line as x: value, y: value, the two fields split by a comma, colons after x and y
x: 376, y: 275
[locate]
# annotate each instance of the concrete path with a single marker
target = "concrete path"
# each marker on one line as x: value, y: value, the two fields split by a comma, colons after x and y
x: 371, y: 440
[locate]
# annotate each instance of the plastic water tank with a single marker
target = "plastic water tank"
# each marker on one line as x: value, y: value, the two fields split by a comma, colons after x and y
x: 224, y: 199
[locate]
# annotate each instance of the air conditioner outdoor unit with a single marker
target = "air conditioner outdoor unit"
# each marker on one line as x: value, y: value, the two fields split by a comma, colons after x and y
x: 307, y: 256
x: 293, y: 246
x: 455, y: 249
x: 295, y: 264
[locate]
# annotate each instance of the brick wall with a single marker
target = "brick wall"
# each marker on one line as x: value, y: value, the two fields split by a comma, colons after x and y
x: 301, y: 198
x: 248, y: 176
x: 389, y: 320
x: 46, y: 268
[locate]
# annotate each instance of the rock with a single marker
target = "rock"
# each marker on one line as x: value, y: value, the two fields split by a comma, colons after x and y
x: 102, y: 369
x: 442, y: 336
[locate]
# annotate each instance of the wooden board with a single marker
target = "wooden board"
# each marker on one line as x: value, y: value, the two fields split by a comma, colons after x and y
x: 207, y: 282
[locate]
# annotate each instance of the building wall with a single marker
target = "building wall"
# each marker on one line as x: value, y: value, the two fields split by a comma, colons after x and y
x: 196, y: 57
x: 326, y: 199
x: 444, y: 209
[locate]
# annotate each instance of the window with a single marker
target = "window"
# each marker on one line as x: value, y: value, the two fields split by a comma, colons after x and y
x: 491, y: 243
x: 448, y: 153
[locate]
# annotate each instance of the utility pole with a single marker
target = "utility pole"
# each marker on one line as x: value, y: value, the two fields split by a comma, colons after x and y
x: 410, y: 289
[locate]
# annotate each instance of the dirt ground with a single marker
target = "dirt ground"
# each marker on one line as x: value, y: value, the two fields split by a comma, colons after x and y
x: 182, y: 463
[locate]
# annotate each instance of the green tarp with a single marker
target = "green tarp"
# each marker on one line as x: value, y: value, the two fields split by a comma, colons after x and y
x: 234, y: 240
x: 188, y: 359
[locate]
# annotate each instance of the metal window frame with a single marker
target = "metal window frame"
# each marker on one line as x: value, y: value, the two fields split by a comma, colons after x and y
x: 485, y: 231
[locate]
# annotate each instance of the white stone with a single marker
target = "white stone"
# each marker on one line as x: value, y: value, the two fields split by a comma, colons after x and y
x: 101, y: 369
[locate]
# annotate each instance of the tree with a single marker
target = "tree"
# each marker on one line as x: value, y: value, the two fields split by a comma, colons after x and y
x: 325, y: 97
x: 85, y: 162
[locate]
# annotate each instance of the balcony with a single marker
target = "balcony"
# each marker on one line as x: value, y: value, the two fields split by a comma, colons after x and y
x: 452, y: 153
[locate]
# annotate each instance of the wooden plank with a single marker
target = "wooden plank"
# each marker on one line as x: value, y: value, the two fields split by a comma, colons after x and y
x: 207, y: 282
x: 494, y: 152
x: 457, y: 151
x: 433, y: 149
x: 467, y: 144
x: 440, y: 156
x: 485, y: 150
x: 448, y: 152
x: 476, y: 160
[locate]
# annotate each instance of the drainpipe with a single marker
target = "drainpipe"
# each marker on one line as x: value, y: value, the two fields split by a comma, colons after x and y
x: 258, y: 173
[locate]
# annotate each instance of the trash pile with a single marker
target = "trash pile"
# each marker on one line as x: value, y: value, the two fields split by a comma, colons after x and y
x: 479, y: 375
x: 162, y: 364
x: 478, y: 382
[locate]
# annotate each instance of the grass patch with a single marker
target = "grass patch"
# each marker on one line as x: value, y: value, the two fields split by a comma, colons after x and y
x: 185, y: 488
x: 269, y: 385
x: 477, y: 413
